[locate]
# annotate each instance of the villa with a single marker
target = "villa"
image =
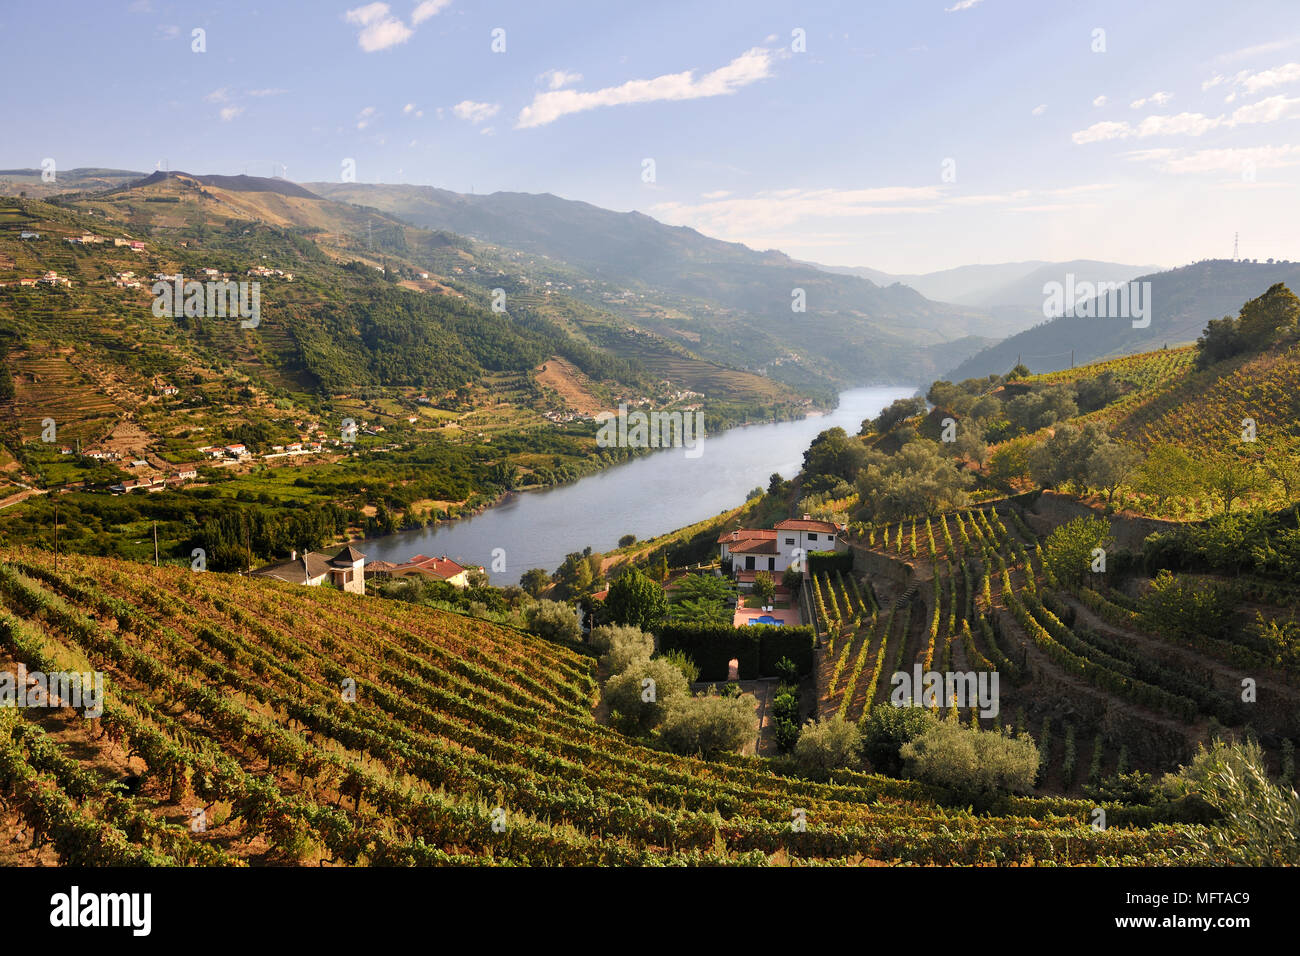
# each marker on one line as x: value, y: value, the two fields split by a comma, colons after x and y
x: 345, y: 570
x: 751, y: 550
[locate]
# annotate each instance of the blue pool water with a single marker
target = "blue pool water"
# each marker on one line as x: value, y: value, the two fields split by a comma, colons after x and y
x: 764, y: 619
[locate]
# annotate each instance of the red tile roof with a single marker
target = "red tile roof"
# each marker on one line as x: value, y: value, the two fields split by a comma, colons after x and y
x: 442, y: 567
x: 805, y: 524
x: 764, y: 546
x: 744, y: 533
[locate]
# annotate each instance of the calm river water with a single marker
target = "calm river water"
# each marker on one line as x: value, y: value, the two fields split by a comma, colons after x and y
x: 650, y: 496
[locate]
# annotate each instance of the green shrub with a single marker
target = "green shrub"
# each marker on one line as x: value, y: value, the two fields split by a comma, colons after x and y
x: 828, y: 745
x: 1185, y: 609
x: 786, y: 707
x: 886, y: 730
x: 974, y: 766
x: 628, y: 645
x: 1260, y: 821
x: 635, y: 706
x: 553, y: 620
x: 709, y: 725
x: 602, y: 637
x: 679, y: 659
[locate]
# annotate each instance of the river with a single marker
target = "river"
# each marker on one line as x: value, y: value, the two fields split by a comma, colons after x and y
x: 648, y: 496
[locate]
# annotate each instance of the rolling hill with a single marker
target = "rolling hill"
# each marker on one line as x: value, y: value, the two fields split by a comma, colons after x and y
x: 1182, y: 301
x: 465, y: 743
x: 730, y: 302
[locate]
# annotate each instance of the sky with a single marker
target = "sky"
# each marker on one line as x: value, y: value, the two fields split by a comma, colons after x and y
x: 906, y: 136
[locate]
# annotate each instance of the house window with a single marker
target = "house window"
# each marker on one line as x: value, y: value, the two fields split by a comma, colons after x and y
x: 812, y: 537
x: 789, y: 540
x: 771, y: 564
x: 749, y: 562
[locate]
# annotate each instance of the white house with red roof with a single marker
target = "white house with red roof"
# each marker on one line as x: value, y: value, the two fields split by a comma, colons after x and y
x: 751, y: 550
x: 441, y: 568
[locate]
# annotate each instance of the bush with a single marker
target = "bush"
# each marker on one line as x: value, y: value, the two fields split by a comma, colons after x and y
x: 787, y: 735
x: 1185, y: 610
x: 886, y: 730
x: 785, y: 706
x: 554, y: 621
x: 709, y: 725
x: 787, y: 670
x: 690, y: 670
x: 603, y: 637
x: 636, y: 599
x: 636, y: 707
x: 828, y: 745
x: 628, y: 645
x: 828, y: 562
x: 1260, y: 820
x: 974, y: 766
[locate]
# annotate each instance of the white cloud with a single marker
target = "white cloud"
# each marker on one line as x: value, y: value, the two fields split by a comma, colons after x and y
x: 1039, y: 110
x: 960, y: 5
x: 1268, y: 110
x: 749, y: 67
x: 365, y: 116
x: 555, y: 79
x: 220, y: 95
x: 717, y: 194
x: 230, y: 112
x: 427, y: 9
x: 1219, y: 160
x: 1267, y: 79
x: 475, y: 112
x: 267, y: 91
x: 1272, y: 46
x: 379, y: 30
x: 1158, y: 98
x: 1100, y: 132
x: 1099, y: 101
x: 1181, y: 124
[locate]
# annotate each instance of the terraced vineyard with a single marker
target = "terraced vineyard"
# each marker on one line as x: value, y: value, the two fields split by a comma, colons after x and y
x: 464, y: 743
x: 1073, y: 662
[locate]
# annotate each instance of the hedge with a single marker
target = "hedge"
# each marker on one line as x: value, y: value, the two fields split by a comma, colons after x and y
x: 758, y: 648
x: 829, y: 562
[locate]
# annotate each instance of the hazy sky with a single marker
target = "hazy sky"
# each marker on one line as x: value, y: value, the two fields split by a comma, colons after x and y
x: 907, y: 136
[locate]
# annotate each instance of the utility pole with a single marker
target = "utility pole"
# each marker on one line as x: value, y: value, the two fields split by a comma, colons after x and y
x: 1071, y: 358
x: 1235, y: 237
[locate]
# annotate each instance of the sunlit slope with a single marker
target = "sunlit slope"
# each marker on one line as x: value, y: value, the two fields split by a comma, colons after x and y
x: 229, y: 695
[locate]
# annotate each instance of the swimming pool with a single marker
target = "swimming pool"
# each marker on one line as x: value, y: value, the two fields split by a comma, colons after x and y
x: 764, y: 619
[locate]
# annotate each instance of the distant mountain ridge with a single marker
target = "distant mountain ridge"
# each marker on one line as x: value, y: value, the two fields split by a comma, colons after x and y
x: 1182, y: 301
x: 241, y: 183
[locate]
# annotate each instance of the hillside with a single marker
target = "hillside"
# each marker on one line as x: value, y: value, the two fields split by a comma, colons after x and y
x: 730, y: 302
x: 1001, y: 285
x: 1182, y: 301
x: 465, y: 743
x: 394, y: 338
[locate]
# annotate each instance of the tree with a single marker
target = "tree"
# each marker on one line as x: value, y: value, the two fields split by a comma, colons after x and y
x: 828, y: 744
x: 792, y: 579
x: 535, y: 581
x: 898, y: 411
x: 1064, y: 456
x: 1264, y: 318
x: 554, y: 621
x: 709, y: 725
x: 1168, y: 472
x: 886, y: 730
x: 1110, y: 466
x: 1221, y: 339
x: 627, y: 646
x: 917, y: 481
x: 635, y: 599
x: 1010, y: 463
x: 974, y: 766
x: 832, y: 454
x: 697, y: 586
x: 1230, y: 480
x: 639, y: 696
x: 1018, y: 372
x: 1282, y: 465
x: 1069, y: 550
x: 764, y: 587
x: 627, y: 540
